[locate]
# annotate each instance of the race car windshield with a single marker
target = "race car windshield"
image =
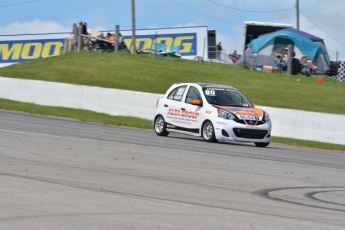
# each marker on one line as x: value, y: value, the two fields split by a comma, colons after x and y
x: 226, y: 97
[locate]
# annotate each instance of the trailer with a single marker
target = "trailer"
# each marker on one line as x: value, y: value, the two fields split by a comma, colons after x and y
x: 253, y: 29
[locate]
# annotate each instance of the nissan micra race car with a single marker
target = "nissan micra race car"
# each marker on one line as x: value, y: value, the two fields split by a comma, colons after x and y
x: 213, y: 111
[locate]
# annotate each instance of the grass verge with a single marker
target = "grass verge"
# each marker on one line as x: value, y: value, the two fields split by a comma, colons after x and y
x: 89, y: 116
x: 77, y: 114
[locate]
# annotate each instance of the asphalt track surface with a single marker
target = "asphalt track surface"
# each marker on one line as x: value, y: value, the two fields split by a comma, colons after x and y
x: 63, y: 174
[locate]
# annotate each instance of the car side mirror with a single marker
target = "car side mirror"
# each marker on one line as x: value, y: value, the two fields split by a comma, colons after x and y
x: 196, y: 102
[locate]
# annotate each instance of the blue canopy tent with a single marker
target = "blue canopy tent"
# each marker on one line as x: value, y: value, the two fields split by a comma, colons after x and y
x: 310, y: 37
x: 261, y: 51
x: 299, y: 32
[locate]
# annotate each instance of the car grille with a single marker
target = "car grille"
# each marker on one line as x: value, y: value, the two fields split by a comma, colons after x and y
x: 248, y: 122
x: 250, y: 133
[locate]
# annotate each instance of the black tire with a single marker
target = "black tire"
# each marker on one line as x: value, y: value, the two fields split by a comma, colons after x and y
x: 160, y: 126
x: 261, y: 144
x: 207, y: 132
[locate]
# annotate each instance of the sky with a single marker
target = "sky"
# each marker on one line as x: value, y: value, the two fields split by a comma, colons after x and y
x: 322, y: 18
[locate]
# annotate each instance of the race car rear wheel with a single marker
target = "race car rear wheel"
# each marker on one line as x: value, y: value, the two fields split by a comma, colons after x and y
x: 208, y: 132
x: 160, y: 126
x: 260, y: 144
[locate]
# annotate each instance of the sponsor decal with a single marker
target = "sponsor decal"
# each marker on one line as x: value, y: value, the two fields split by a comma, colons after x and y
x: 247, y: 117
x: 174, y: 112
x: 234, y: 110
x: 20, y: 51
x: 210, y: 92
x: 208, y: 111
x: 183, y: 113
x: 186, y: 41
x: 220, y: 89
x: 243, y: 111
x: 182, y: 128
x: 221, y: 123
x: 180, y: 91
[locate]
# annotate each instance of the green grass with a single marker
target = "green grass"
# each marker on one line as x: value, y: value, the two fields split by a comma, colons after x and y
x: 156, y: 75
x: 148, y: 74
x: 77, y: 114
x: 308, y: 144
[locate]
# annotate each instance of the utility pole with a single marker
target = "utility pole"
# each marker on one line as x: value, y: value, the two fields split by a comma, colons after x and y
x: 289, y: 64
x: 297, y: 14
x: 133, y: 28
x: 117, y: 31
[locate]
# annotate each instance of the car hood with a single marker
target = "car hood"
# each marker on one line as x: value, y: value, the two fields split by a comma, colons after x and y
x: 243, y: 111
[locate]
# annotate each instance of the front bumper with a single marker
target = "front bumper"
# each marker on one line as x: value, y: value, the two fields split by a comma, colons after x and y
x: 229, y: 130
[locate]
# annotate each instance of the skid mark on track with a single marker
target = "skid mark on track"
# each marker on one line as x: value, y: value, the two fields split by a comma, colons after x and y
x: 269, y: 194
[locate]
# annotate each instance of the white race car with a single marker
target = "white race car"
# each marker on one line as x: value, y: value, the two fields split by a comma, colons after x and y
x: 213, y: 111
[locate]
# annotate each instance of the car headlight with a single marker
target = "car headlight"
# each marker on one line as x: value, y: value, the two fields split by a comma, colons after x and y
x: 266, y: 117
x: 225, y: 114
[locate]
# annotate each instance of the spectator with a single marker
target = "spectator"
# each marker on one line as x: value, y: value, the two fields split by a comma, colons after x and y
x: 219, y: 50
x: 85, y: 40
x: 296, y: 64
x: 74, y: 27
x: 110, y: 37
x: 234, y: 53
x: 70, y: 38
x: 122, y: 44
x: 280, y: 63
x: 282, y: 60
x: 285, y: 56
x: 120, y: 38
x: 306, y: 66
x: 89, y: 32
x: 110, y: 46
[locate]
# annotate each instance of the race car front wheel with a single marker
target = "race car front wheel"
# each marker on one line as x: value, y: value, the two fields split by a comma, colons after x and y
x: 160, y: 126
x: 208, y: 132
x: 260, y: 144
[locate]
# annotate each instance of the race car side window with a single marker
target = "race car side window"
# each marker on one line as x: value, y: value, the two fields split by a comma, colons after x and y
x: 193, y: 93
x: 177, y: 94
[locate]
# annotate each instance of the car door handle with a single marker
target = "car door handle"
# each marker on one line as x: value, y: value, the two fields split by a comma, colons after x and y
x: 165, y: 105
x: 183, y: 109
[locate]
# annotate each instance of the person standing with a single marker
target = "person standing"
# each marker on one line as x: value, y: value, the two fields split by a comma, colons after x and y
x: 85, y: 40
x: 70, y: 39
x: 122, y: 44
x: 219, y: 50
x: 74, y: 27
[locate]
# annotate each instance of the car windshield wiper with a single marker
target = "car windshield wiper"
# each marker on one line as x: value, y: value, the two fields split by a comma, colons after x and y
x: 236, y: 105
x: 230, y: 105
